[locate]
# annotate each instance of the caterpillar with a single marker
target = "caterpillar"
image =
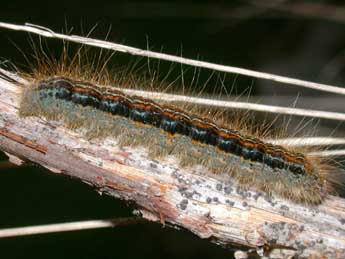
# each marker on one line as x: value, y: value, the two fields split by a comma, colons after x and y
x: 164, y: 129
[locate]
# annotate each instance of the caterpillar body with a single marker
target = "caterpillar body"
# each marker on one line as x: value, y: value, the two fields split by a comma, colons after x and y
x: 165, y: 129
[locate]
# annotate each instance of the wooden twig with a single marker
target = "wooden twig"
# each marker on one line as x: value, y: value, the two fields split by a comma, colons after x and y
x: 189, y: 198
x: 43, y: 31
x: 217, y: 103
x: 328, y: 153
x: 307, y: 141
x: 238, y: 105
x: 70, y: 226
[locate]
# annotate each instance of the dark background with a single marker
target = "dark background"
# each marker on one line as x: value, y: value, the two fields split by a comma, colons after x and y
x: 302, y: 39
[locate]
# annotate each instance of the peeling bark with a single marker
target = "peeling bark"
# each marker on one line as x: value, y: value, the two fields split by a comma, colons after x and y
x: 189, y: 198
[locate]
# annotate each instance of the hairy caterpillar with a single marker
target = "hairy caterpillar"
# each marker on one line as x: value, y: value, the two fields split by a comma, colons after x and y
x: 74, y: 92
x: 164, y: 129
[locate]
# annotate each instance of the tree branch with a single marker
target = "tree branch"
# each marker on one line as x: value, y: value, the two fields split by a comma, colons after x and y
x: 191, y: 199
